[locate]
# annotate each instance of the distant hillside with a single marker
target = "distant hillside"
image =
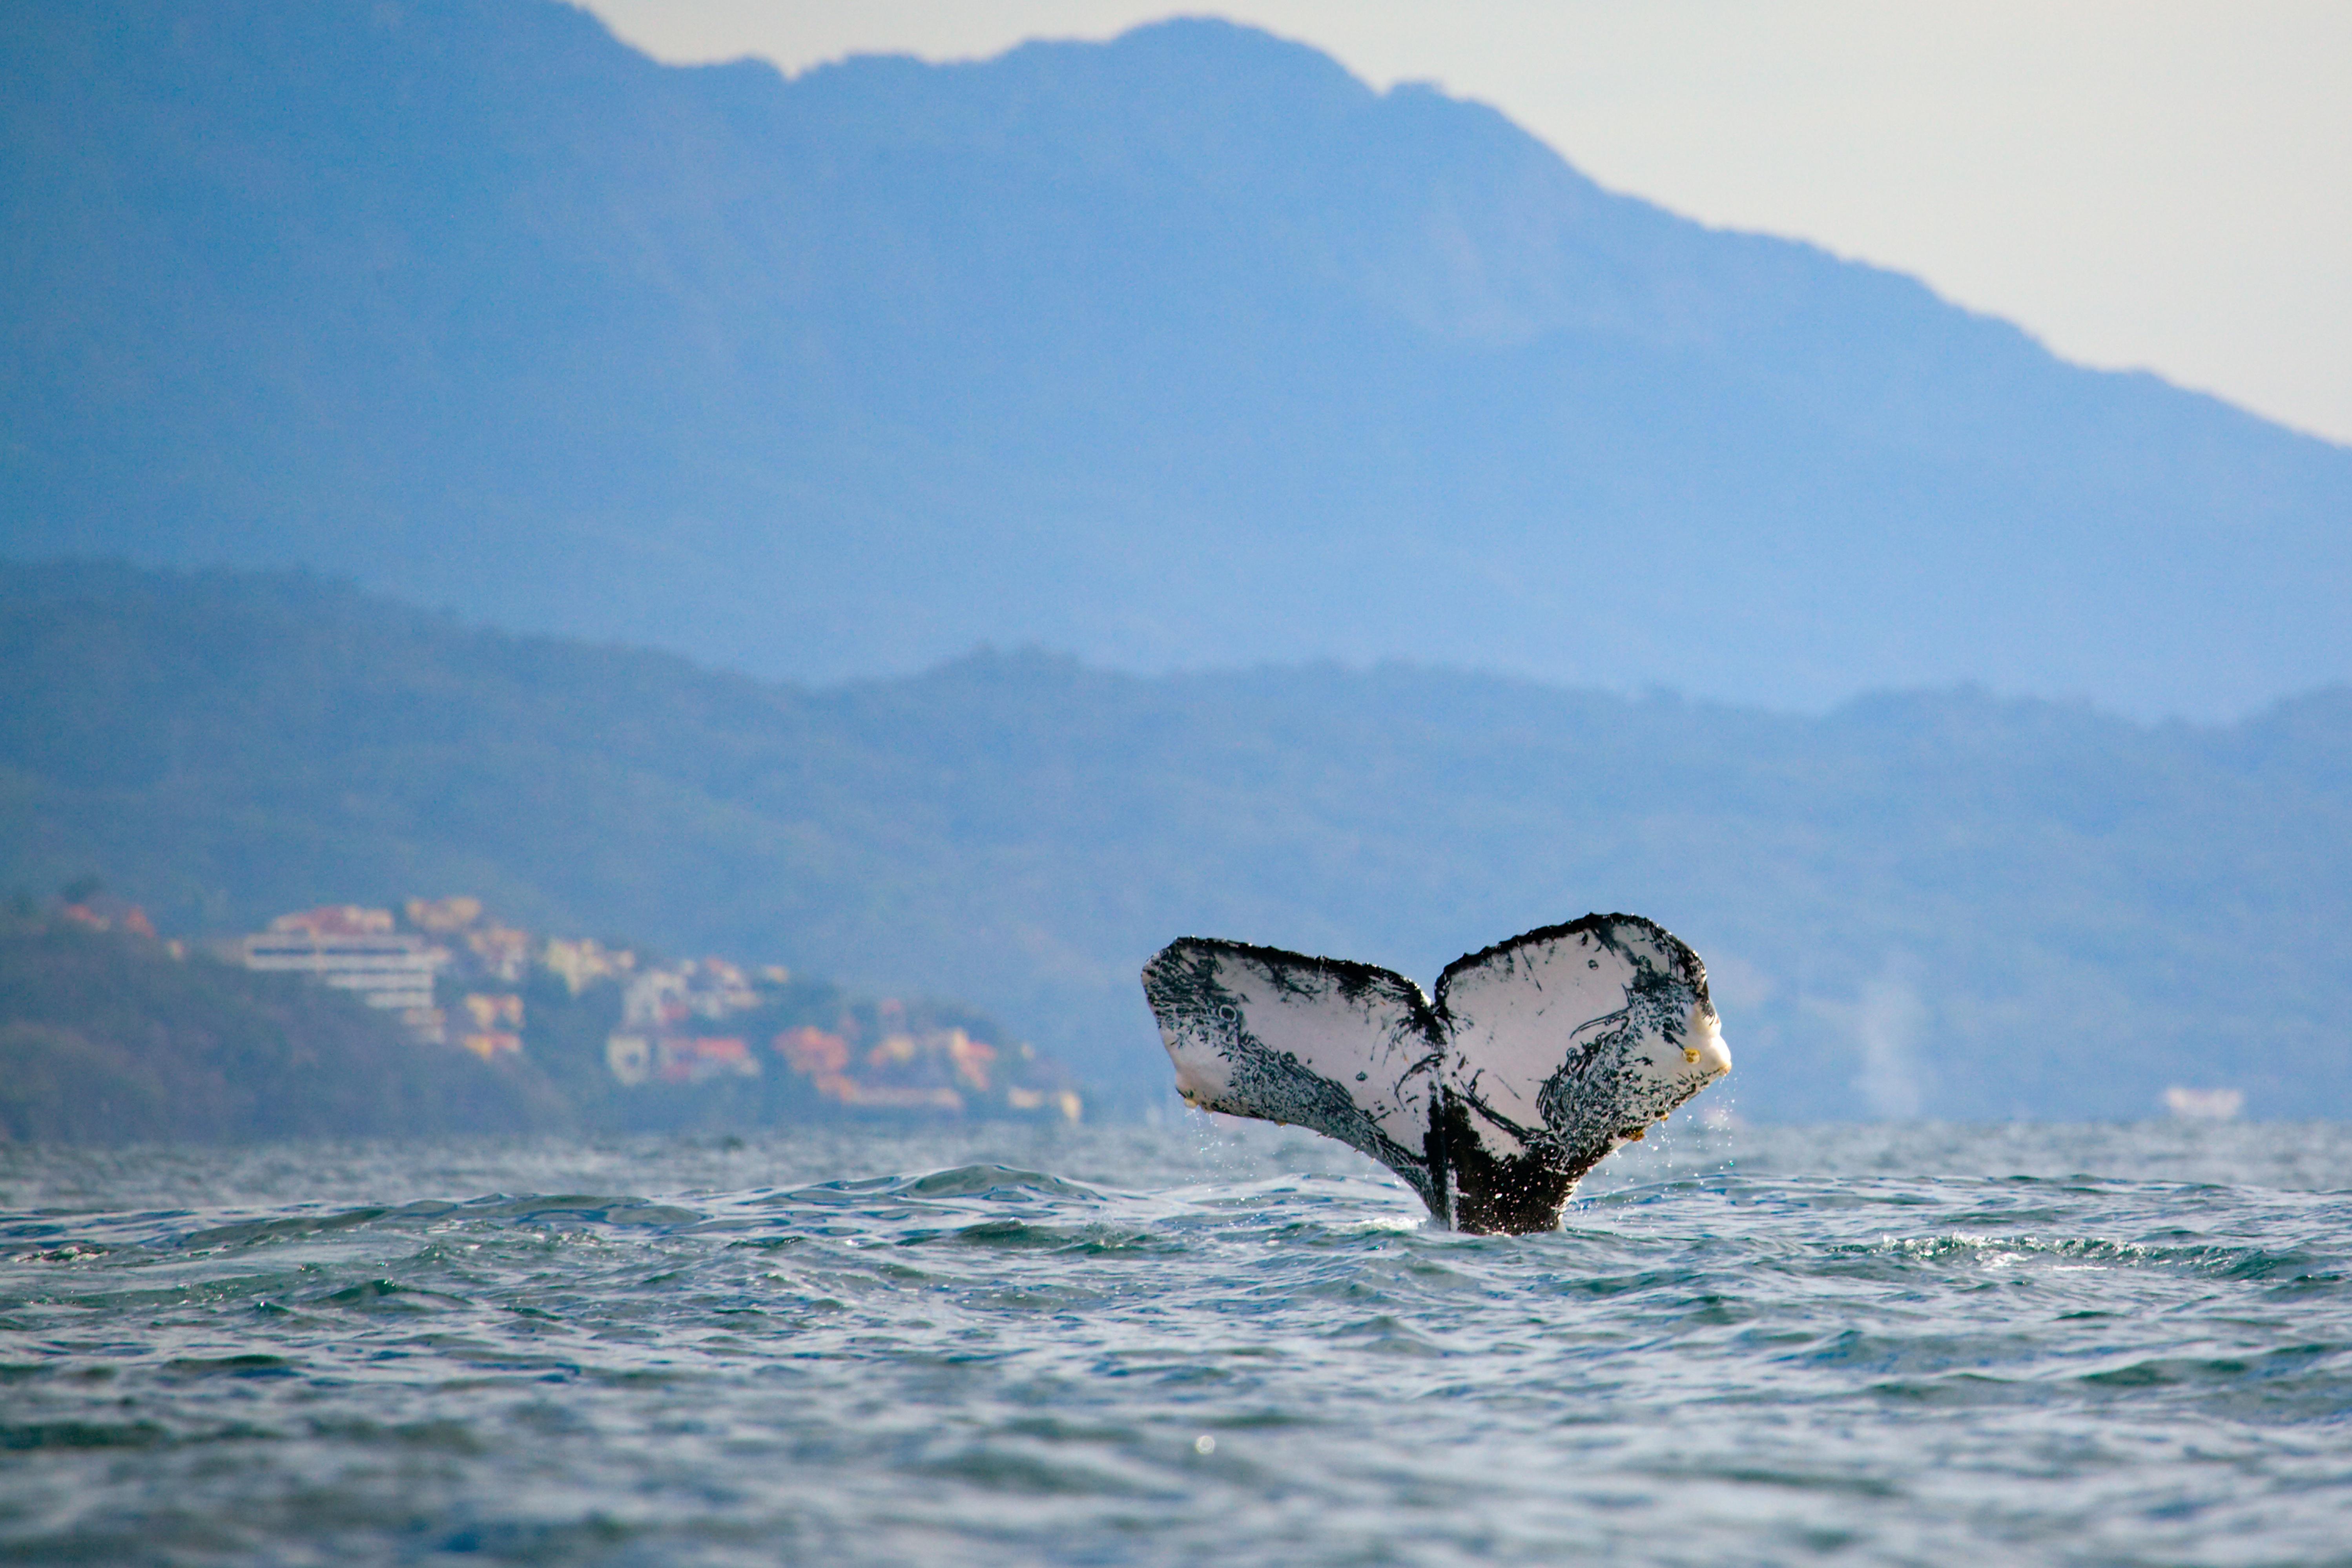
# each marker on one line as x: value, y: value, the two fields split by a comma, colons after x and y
x: 106, y: 1040
x: 1933, y: 903
x: 108, y: 1035
x: 1184, y: 350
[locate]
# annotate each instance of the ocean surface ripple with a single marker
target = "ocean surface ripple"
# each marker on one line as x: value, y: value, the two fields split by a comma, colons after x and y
x: 1202, y: 1341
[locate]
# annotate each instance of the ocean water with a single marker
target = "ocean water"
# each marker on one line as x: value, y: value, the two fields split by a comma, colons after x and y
x: 1205, y: 1342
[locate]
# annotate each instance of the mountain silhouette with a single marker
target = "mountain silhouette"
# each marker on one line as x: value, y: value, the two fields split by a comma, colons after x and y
x: 1187, y: 349
x: 1933, y: 903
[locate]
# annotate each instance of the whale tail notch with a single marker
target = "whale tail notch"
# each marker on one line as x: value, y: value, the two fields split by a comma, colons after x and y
x: 1538, y: 1056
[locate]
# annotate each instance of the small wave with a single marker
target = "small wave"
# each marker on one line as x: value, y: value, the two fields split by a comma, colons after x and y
x: 1084, y: 1240
x: 83, y: 1435
x: 387, y: 1295
x: 1003, y: 1468
x: 258, y: 1232
x: 993, y: 1181
x: 578, y: 1208
x: 933, y: 1187
x: 111, y: 1237
x: 250, y: 1365
x: 2251, y: 1263
x: 2285, y: 1362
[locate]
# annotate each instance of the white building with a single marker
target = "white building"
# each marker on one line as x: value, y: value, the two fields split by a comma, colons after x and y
x: 387, y: 969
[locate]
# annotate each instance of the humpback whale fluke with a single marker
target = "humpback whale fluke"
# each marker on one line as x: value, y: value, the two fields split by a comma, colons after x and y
x: 1538, y: 1056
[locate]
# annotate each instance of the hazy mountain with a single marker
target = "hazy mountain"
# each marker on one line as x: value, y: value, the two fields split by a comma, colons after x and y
x: 1186, y: 349
x: 1936, y: 903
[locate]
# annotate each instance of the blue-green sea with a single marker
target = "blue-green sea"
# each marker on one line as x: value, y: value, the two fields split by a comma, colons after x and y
x: 1195, y: 1341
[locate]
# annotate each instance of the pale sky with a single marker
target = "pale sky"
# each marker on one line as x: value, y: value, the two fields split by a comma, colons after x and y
x: 2163, y: 184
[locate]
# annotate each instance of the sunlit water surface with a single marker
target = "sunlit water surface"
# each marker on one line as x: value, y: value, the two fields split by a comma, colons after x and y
x: 1205, y: 1342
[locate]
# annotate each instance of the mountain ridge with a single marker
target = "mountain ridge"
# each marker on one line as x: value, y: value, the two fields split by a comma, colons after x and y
x: 2010, y: 907
x: 1180, y: 351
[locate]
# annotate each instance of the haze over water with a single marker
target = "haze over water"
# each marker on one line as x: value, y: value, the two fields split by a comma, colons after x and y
x: 1202, y: 1341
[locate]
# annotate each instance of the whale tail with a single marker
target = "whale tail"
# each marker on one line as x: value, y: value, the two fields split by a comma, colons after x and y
x: 1538, y: 1056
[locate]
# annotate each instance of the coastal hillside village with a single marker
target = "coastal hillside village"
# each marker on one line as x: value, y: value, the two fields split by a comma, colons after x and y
x: 464, y: 1021
x: 454, y: 975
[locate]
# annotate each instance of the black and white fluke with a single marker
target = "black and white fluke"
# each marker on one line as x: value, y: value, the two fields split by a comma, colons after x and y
x: 1538, y: 1056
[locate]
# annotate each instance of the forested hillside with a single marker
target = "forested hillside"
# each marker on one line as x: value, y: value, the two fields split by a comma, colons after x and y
x: 1184, y: 350
x: 1936, y: 903
x: 106, y: 1038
